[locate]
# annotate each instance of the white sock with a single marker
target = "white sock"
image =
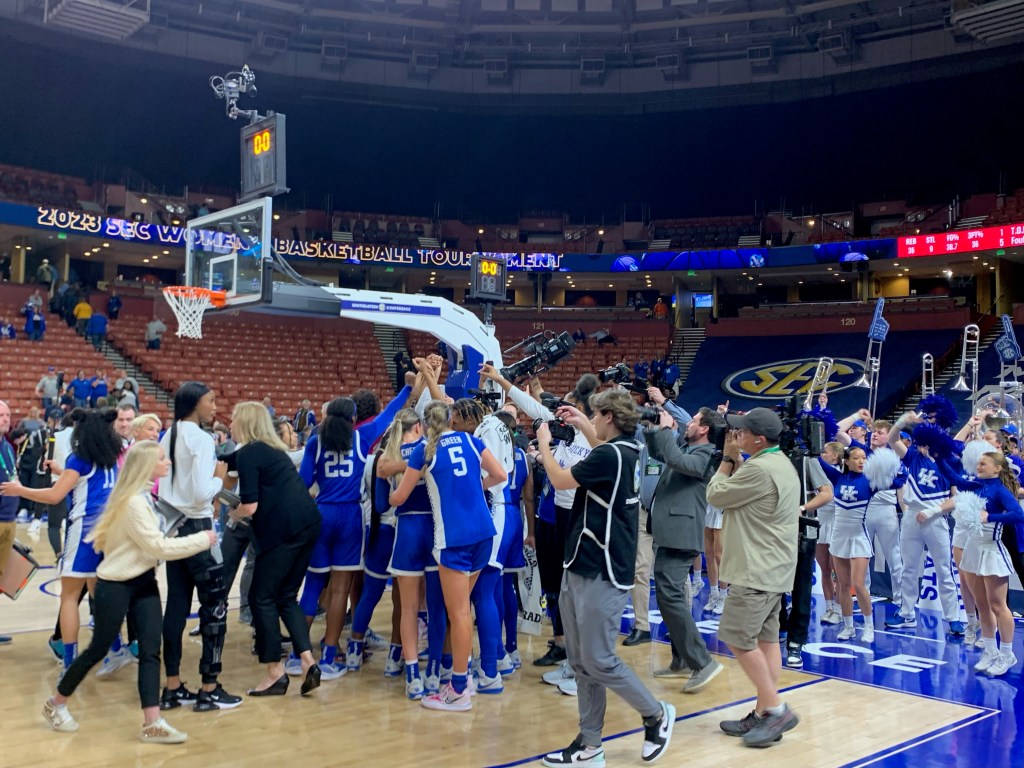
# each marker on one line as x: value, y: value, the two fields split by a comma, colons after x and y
x: 848, y: 622
x: 833, y: 606
x: 775, y: 710
x: 714, y: 591
x: 990, y: 644
x: 1006, y: 648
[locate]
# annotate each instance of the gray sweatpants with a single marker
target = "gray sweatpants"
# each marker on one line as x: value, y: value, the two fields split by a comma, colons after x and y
x: 591, y: 614
x: 671, y: 573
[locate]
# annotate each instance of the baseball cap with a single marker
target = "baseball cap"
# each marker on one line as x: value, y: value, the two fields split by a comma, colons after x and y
x: 905, y: 436
x: 1010, y: 429
x: 51, y: 369
x: 758, y: 421
x: 859, y: 423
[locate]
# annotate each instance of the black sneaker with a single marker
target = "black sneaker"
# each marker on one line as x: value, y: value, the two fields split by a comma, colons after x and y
x: 741, y: 727
x: 575, y: 754
x: 555, y: 655
x: 218, y: 698
x: 174, y: 699
x: 794, y: 657
x: 771, y: 728
x: 658, y: 734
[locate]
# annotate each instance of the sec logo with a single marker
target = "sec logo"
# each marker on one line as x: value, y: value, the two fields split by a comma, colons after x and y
x: 781, y: 379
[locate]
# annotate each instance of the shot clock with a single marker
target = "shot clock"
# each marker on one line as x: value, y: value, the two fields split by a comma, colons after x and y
x: 263, y: 158
x: 487, y: 281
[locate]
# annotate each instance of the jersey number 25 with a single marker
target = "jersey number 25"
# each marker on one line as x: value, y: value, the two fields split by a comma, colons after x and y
x: 336, y: 466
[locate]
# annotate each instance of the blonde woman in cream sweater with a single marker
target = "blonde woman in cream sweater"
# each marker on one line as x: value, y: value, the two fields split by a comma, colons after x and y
x: 132, y: 544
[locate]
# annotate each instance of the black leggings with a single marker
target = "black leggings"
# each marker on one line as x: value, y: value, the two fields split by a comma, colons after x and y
x: 550, y: 557
x: 56, y: 515
x: 204, y: 575
x: 139, y: 599
x: 273, y: 596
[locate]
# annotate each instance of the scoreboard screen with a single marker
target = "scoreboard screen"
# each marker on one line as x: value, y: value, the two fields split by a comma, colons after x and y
x: 961, y: 241
x: 487, y: 277
x: 263, y: 158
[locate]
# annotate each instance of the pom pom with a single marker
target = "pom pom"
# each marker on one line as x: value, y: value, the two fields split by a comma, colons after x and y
x: 940, y: 407
x: 829, y: 418
x: 881, y: 469
x: 967, y: 511
x: 972, y: 452
x: 938, y: 442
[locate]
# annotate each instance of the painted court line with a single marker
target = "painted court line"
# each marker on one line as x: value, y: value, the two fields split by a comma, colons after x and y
x: 919, y: 740
x: 689, y: 716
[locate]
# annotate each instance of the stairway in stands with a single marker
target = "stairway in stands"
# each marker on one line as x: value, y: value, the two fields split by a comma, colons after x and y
x: 685, y: 344
x: 119, y: 361
x: 391, y: 340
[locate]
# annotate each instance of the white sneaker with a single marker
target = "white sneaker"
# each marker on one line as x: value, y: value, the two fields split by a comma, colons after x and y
x: 485, y: 684
x: 831, y: 617
x: 1002, y: 664
x: 375, y: 642
x: 517, y: 660
x: 719, y: 605
x: 568, y: 687
x: 847, y: 633
x: 293, y: 667
x: 22, y: 516
x: 162, y: 732
x: 696, y: 585
x: 354, y: 656
x: 431, y: 684
x: 114, y: 661
x: 971, y: 634
x: 868, y: 635
x: 421, y: 629
x: 988, y: 658
x: 332, y: 671
x: 59, y: 718
x: 414, y: 689
x: 394, y: 667
x: 447, y: 700
x: 506, y: 666
x: 980, y: 642
x: 33, y: 529
x: 562, y: 672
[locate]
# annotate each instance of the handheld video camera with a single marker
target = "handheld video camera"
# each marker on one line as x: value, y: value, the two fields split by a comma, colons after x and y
x: 621, y: 374
x: 489, y: 399
x: 801, y: 434
x: 649, y: 413
x: 559, y: 430
x: 543, y: 351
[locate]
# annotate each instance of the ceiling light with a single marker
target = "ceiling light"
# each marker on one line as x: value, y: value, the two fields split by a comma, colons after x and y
x: 810, y: 222
x: 480, y: 231
x: 86, y: 253
x: 95, y: 250
x: 145, y: 261
x: 843, y: 280
x: 277, y: 217
x: 991, y: 268
x: 984, y: 263
x: 600, y: 232
x: 975, y: 258
x: 106, y: 245
x: 143, y: 200
x: 610, y: 285
x: 760, y: 283
x: 17, y: 247
x: 799, y: 282
x: 29, y: 248
x: 155, y: 257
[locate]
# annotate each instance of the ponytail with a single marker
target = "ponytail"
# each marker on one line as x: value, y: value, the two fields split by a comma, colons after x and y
x: 405, y: 420
x: 1006, y: 474
x: 436, y: 417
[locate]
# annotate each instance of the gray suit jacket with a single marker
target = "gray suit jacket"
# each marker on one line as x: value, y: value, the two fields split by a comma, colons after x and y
x: 680, y: 501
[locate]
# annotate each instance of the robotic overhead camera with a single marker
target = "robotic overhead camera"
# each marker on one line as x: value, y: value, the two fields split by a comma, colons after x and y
x: 231, y: 86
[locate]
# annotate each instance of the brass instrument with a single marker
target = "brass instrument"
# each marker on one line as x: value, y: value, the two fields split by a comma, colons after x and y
x: 927, y: 375
x: 819, y: 384
x: 969, y: 355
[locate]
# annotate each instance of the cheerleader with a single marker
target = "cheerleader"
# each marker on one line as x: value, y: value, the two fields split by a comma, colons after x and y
x: 89, y: 475
x: 132, y: 544
x: 986, y: 564
x: 826, y: 514
x: 926, y: 489
x: 454, y: 462
x: 850, y: 547
x: 334, y: 459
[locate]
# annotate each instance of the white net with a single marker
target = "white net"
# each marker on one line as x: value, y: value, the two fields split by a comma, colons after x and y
x: 188, y: 305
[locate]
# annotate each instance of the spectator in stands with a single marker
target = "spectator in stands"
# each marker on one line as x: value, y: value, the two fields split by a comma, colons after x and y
x: 657, y: 371
x: 579, y: 336
x: 82, y: 312
x: 269, y: 405
x: 48, y: 389
x: 670, y: 377
x: 113, y: 305
x: 5, y: 268
x: 305, y: 420
x: 639, y: 302
x: 96, y: 329
x: 35, y: 323
x: 36, y: 300
x: 120, y: 379
x: 155, y: 329
x: 7, y: 330
x: 81, y: 389
x: 604, y: 336
x: 100, y: 388
x: 45, y: 275
x: 8, y: 504
x: 129, y: 396
x: 67, y: 304
x: 660, y: 309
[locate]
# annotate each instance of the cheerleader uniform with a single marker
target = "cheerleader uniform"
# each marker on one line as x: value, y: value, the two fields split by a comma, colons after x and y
x: 849, y: 537
x: 88, y: 498
x: 984, y: 551
x: 926, y: 488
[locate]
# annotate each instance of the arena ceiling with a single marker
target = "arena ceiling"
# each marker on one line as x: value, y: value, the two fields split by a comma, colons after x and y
x: 553, y: 55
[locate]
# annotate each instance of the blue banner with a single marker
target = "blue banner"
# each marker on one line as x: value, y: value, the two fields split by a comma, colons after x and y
x: 398, y: 309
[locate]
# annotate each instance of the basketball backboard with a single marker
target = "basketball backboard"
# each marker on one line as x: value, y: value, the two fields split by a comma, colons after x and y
x: 225, y: 251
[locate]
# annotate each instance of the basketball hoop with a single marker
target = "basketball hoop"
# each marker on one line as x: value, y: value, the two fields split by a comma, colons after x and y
x: 189, y: 303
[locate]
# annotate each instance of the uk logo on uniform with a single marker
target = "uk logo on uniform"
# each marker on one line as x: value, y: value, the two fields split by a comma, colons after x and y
x: 848, y: 492
x: 927, y: 477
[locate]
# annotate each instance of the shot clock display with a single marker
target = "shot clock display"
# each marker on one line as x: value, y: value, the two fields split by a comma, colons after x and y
x: 263, y: 158
x: 487, y: 281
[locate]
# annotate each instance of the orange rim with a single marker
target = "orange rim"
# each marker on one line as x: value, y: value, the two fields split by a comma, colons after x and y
x: 217, y: 298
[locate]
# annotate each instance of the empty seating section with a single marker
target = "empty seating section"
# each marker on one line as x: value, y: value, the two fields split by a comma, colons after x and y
x: 250, y: 357
x: 585, y: 358
x: 707, y: 232
x: 1011, y: 212
x: 376, y: 229
x: 25, y: 362
x: 24, y: 185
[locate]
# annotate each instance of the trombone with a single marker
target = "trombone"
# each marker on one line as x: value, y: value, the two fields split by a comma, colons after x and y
x: 927, y: 375
x: 969, y: 354
x: 819, y: 382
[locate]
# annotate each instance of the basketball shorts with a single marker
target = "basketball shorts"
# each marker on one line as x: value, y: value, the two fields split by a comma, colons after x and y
x: 79, y: 560
x: 377, y: 553
x: 340, y: 545
x: 412, y: 554
x: 469, y: 558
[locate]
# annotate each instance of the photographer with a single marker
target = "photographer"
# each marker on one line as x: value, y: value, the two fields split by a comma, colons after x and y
x: 553, y: 508
x: 598, y: 574
x: 760, y: 499
x: 677, y: 522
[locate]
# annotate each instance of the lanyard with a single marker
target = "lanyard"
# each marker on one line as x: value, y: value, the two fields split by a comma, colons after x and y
x: 8, y: 468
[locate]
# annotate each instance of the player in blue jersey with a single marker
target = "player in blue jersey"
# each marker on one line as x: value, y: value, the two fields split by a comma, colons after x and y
x: 454, y: 464
x: 520, y: 501
x: 89, y: 475
x: 334, y: 459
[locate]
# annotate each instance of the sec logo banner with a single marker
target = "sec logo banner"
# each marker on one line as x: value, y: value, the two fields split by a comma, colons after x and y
x: 781, y: 379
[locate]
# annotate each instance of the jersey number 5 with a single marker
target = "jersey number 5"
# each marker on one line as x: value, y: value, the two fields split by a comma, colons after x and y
x: 458, y: 463
x: 335, y: 466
